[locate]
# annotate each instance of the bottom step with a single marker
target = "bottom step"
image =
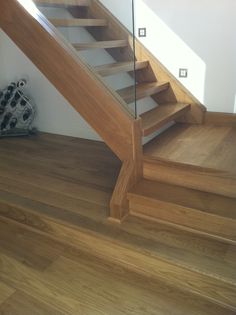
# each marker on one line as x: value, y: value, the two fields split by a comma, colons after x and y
x: 204, y: 213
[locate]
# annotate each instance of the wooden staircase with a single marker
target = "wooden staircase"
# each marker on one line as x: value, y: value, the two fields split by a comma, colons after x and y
x: 103, y: 26
x: 197, y: 202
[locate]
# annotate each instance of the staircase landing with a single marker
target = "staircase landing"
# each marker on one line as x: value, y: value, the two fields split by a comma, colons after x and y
x: 199, y: 145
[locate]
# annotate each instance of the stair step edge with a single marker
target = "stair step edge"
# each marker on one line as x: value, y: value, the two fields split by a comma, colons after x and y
x: 142, y: 90
x: 173, y: 215
x: 100, y: 44
x: 63, y: 3
x: 73, y: 22
x: 119, y: 67
x: 163, y: 114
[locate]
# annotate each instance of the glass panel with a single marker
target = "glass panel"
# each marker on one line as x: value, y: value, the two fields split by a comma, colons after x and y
x: 103, y: 37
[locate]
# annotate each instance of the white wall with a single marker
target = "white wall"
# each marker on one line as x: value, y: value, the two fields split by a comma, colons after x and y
x: 54, y: 114
x: 198, y: 35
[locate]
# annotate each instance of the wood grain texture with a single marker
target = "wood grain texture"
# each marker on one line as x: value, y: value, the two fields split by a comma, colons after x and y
x: 5, y: 292
x: 23, y: 304
x: 78, y: 22
x: 205, y: 213
x: 161, y: 115
x: 115, y: 123
x: 181, y: 259
x: 16, y: 243
x: 189, y: 176
x: 62, y: 3
x: 211, y: 289
x: 206, y: 146
x: 220, y: 119
x: 143, y: 90
x: 119, y: 67
x: 81, y: 283
x: 119, y: 202
x: 131, y: 172
x: 101, y: 44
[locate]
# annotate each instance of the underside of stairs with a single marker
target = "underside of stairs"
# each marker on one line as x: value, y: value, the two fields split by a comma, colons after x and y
x: 169, y: 190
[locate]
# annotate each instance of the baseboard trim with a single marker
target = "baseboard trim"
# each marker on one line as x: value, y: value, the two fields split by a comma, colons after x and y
x: 221, y: 119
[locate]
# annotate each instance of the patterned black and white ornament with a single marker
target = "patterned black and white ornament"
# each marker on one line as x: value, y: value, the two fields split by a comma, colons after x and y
x: 17, y: 111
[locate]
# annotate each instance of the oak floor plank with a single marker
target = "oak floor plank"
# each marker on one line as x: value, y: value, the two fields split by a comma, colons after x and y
x: 5, y: 293
x: 96, y: 179
x: 52, y: 208
x: 26, y: 247
x: 56, y: 185
x: 91, y: 287
x: 53, y: 199
x: 200, y: 254
x: 23, y: 304
x: 199, y: 283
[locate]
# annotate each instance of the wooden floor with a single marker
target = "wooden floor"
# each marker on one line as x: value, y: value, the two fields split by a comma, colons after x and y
x: 43, y: 167
x: 39, y: 276
x: 206, y: 146
x: 59, y: 255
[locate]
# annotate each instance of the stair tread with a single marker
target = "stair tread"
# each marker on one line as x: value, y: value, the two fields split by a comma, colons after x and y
x: 202, y: 212
x: 161, y: 115
x: 63, y: 3
x: 142, y: 90
x: 101, y: 44
x: 118, y: 67
x: 172, y: 260
x: 187, y: 197
x: 78, y: 22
